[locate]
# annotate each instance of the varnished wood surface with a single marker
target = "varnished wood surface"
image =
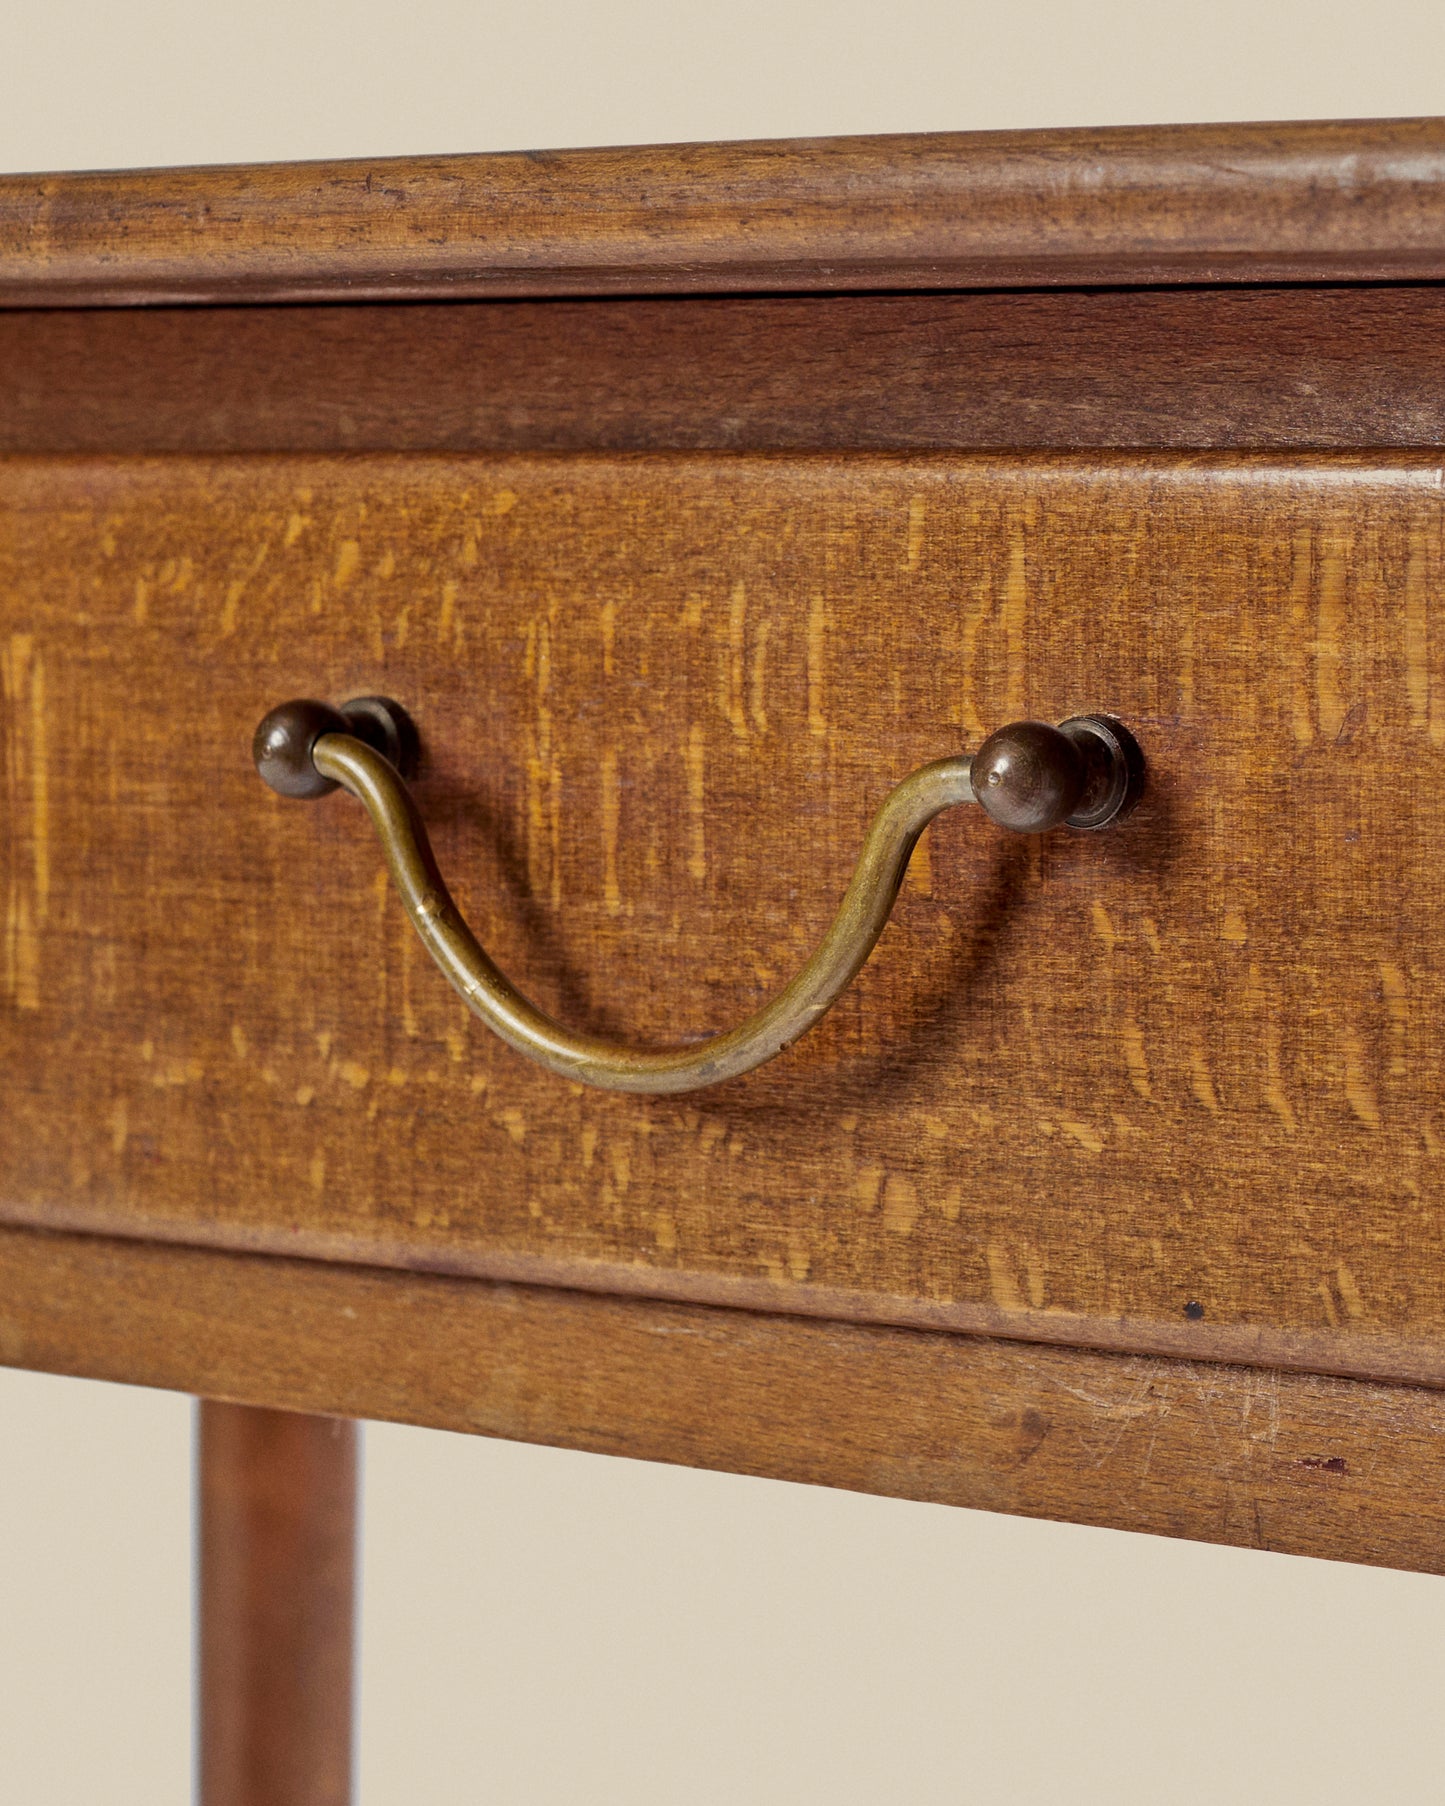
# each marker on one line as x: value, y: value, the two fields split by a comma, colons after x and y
x: 1288, y: 367
x: 1173, y: 1088
x: 1279, y: 1461
x: 1357, y: 200
x: 277, y: 1544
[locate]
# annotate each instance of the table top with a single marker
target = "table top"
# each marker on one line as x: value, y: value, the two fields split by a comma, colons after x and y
x: 1343, y: 201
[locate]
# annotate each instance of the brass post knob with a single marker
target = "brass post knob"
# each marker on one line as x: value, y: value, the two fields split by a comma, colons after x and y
x: 1031, y: 777
x: 286, y: 738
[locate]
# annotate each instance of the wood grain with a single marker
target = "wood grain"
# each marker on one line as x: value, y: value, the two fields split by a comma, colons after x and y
x: 1286, y: 367
x: 1295, y: 1463
x: 1175, y: 1088
x: 1358, y: 200
x: 277, y: 1545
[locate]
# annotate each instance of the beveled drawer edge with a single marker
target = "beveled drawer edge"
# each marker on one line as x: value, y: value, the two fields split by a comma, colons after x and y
x: 1353, y: 1353
x: 1289, y: 1462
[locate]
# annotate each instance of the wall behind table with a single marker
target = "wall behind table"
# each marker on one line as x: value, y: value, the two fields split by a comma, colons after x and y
x: 123, y: 83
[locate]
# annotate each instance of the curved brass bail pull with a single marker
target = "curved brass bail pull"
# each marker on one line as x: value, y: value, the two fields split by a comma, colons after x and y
x: 1030, y: 777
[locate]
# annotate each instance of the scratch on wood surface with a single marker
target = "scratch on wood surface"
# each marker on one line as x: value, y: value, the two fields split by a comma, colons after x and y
x: 1148, y: 1397
x: 1144, y: 1397
x: 1261, y: 1389
x: 607, y: 624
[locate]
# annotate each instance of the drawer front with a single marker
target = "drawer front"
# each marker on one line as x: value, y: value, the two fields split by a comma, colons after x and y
x: 1177, y: 1086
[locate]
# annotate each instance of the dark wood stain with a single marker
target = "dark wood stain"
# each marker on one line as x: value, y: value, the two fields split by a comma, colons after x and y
x: 1183, y: 368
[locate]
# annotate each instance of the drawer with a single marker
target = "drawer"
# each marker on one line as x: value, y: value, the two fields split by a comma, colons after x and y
x: 1170, y: 1088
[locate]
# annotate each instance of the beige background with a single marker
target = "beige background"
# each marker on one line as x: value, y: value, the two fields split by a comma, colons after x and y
x: 545, y: 1627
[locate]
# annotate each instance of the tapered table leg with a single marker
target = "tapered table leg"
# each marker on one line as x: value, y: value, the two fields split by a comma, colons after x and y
x: 277, y: 1530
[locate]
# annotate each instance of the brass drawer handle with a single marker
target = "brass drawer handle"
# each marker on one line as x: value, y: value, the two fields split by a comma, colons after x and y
x: 1030, y: 777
